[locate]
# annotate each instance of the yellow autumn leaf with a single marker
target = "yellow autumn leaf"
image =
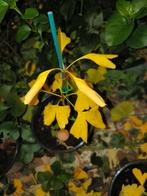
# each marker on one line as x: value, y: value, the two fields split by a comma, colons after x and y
x: 40, y: 192
x: 83, y: 102
x: 143, y: 147
x: 73, y: 188
x: 89, y: 92
x: 61, y: 113
x: 49, y: 114
x: 30, y: 68
x: 35, y: 100
x: 94, y: 117
x: 37, y: 86
x: 130, y: 190
x: 18, y: 187
x: 63, y: 40
x: 86, y: 184
x: 80, y: 127
x: 99, y: 59
x: 141, y: 177
x: 80, y: 174
x: 135, y: 120
x: 143, y: 128
x: 57, y: 83
x: 96, y: 75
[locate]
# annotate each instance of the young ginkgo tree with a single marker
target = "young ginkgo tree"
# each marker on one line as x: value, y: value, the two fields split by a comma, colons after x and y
x: 86, y: 101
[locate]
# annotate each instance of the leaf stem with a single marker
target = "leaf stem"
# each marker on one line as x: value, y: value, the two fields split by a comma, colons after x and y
x: 51, y: 93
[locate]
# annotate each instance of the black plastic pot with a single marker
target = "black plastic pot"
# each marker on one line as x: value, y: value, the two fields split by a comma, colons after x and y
x: 8, y: 155
x: 125, y: 176
x: 45, y: 138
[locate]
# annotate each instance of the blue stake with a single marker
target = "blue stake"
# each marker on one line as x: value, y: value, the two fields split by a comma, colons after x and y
x: 55, y: 38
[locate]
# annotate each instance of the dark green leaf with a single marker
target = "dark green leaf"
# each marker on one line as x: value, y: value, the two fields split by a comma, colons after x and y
x: 139, y: 37
x: 117, y: 140
x: 9, y: 130
x: 134, y: 132
x: 23, y: 33
x: 12, y: 5
x: 17, y: 107
x: 27, y: 134
x: 27, y: 152
x: 68, y: 8
x: 45, y: 186
x: 3, y: 9
x: 117, y: 30
x: 4, y: 90
x: 142, y: 13
x: 30, y: 13
x: 138, y: 6
x: 43, y: 176
x: 124, y: 7
x: 41, y: 19
x: 56, y: 184
x: 68, y: 157
x: 56, y: 167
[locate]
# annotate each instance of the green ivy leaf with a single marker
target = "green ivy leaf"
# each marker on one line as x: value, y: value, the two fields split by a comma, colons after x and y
x: 12, y: 5
x: 124, y: 7
x: 117, y: 30
x: 122, y: 110
x: 138, y: 38
x: 9, y: 130
x: 27, y: 152
x: 30, y: 13
x: 43, y: 176
x: 3, y: 9
x: 27, y: 134
x: 138, y: 6
x: 5, y: 90
x: 23, y: 33
x: 17, y: 107
x: 117, y: 140
x: 56, y: 167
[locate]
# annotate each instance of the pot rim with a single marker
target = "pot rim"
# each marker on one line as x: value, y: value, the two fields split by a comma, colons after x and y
x: 18, y: 144
x: 120, y: 170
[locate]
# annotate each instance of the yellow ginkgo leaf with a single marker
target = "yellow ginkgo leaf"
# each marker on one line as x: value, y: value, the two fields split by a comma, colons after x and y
x: 143, y: 147
x: 63, y: 40
x: 94, y: 117
x: 136, y: 120
x: 30, y: 68
x: 141, y: 177
x: 99, y: 59
x: 80, y: 174
x: 37, y: 86
x: 83, y: 102
x: 57, y: 83
x: 61, y: 113
x: 89, y: 92
x: 40, y: 192
x: 72, y: 187
x: 133, y: 189
x: 96, y: 75
x: 49, y: 114
x: 80, y: 127
x: 18, y: 186
x: 86, y: 184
